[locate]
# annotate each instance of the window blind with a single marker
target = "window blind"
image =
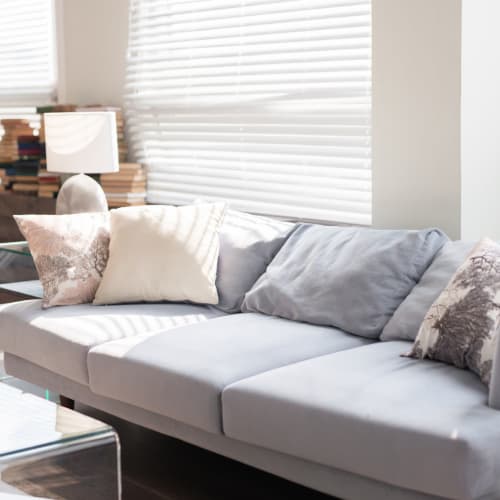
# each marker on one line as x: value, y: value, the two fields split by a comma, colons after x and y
x: 264, y: 103
x: 27, y: 59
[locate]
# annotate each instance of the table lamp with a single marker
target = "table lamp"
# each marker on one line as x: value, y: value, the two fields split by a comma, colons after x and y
x: 81, y: 143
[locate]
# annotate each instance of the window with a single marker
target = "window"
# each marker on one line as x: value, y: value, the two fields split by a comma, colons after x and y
x: 27, y: 57
x: 265, y: 103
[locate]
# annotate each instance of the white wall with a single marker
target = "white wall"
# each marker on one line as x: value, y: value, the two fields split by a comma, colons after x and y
x: 480, y: 145
x: 416, y: 114
x: 92, y: 38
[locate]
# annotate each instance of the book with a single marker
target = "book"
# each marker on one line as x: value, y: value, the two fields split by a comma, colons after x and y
x: 28, y: 139
x: 141, y: 188
x: 24, y: 178
x: 45, y: 177
x: 20, y: 186
x: 119, y: 177
x: 123, y: 188
x: 32, y: 163
x: 56, y: 108
x: 13, y: 121
x: 49, y: 180
x: 23, y: 170
x: 126, y: 167
x: 48, y: 187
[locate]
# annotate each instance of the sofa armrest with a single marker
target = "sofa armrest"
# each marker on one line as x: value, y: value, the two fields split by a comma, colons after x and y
x: 494, y: 395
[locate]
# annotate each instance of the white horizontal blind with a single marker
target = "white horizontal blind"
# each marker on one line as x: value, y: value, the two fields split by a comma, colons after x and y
x: 264, y: 103
x: 27, y: 60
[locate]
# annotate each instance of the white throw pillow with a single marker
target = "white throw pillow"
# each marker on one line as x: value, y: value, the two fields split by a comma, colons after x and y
x: 160, y: 252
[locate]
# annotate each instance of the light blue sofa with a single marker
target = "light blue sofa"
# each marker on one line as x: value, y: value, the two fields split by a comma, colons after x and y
x: 341, y: 413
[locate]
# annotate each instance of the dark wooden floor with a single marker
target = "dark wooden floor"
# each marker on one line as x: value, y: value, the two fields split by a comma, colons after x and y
x: 156, y: 467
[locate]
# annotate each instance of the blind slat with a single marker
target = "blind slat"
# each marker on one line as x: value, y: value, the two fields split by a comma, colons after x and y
x: 287, y: 176
x: 266, y: 104
x: 294, y: 210
x: 283, y: 183
x: 342, y: 170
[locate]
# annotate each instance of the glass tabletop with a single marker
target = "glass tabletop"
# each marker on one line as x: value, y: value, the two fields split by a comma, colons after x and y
x: 16, y: 247
x: 29, y: 422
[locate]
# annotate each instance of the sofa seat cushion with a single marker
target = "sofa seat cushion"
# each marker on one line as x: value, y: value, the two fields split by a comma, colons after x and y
x: 181, y: 373
x: 59, y: 339
x: 419, y: 425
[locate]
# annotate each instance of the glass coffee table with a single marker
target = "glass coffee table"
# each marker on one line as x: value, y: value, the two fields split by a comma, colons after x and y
x: 16, y: 263
x: 47, y: 451
x: 18, y: 275
x: 16, y: 247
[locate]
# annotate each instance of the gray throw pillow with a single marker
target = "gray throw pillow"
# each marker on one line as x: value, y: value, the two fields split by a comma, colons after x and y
x: 247, y: 244
x: 406, y: 321
x: 350, y: 278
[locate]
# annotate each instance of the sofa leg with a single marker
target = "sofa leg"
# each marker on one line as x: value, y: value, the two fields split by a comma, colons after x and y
x: 67, y: 402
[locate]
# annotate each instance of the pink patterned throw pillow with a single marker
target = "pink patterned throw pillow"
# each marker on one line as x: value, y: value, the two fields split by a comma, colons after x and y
x: 70, y: 254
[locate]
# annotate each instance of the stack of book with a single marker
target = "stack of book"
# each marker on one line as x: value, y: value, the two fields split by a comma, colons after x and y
x: 28, y: 147
x: 126, y: 187
x: 12, y: 129
x: 48, y: 182
x: 24, y: 174
x: 120, y: 127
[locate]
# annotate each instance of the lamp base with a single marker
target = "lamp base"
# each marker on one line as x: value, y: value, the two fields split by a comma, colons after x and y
x: 79, y: 194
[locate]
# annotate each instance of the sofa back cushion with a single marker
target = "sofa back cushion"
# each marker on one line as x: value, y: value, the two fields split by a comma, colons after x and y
x: 408, y: 317
x: 350, y: 278
x: 248, y: 243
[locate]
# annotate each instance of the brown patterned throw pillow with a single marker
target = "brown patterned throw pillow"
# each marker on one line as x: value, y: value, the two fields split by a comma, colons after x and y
x: 461, y: 326
x: 70, y: 253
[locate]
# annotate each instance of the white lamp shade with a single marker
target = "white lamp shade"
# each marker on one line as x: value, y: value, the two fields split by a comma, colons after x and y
x: 81, y: 143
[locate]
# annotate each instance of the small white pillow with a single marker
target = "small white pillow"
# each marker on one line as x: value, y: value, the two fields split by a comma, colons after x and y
x: 160, y: 252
